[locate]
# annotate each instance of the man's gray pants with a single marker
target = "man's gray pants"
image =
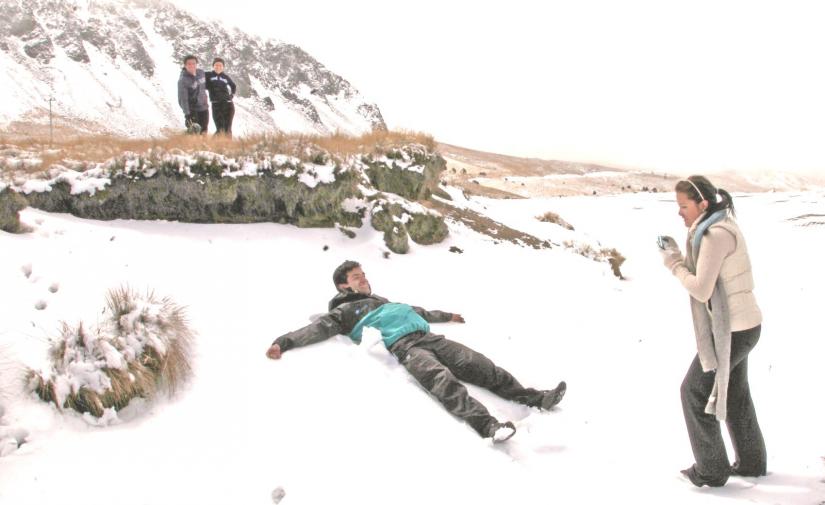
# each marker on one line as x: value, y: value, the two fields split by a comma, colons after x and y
x: 440, y: 365
x: 704, y: 430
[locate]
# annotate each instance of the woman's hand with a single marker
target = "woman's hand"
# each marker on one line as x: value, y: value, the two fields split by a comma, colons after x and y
x: 671, y: 255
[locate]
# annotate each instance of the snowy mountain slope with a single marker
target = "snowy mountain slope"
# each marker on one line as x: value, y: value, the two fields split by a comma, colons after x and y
x: 340, y: 423
x: 114, y: 66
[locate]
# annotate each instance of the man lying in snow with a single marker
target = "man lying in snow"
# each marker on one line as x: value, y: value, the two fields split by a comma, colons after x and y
x: 436, y: 363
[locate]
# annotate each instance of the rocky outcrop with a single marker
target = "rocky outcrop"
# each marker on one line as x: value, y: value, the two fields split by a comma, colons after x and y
x: 207, y: 199
x: 401, y: 221
x: 321, y: 190
x: 11, y: 204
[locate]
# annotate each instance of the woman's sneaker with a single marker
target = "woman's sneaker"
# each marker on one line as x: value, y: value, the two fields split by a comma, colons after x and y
x: 700, y: 480
x: 735, y: 470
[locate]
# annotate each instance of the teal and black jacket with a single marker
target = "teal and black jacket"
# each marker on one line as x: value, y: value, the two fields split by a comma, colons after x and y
x: 350, y: 312
x: 395, y: 320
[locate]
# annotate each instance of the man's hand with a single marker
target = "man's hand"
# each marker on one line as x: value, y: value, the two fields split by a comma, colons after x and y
x: 457, y: 318
x: 274, y: 352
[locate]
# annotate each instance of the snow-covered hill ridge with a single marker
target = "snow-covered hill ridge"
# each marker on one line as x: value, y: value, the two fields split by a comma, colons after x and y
x: 114, y: 67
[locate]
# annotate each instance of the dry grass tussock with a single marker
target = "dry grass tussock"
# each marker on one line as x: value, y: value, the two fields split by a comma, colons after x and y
x: 99, y: 148
x: 142, y: 347
x: 486, y: 226
x: 610, y: 255
x: 552, y: 217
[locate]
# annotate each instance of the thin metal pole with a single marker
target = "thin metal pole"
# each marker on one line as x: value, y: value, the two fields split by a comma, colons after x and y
x: 51, y: 128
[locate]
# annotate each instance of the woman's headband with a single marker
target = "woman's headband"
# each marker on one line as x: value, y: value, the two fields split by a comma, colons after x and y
x: 697, y: 189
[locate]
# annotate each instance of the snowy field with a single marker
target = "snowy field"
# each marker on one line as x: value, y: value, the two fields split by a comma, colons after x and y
x: 340, y: 423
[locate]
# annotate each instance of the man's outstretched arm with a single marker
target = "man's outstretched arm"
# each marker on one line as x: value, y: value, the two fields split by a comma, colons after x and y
x: 326, y: 326
x: 438, y: 316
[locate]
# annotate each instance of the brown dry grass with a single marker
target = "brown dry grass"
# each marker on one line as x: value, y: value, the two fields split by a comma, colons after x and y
x: 487, y: 226
x: 552, y: 217
x: 172, y: 368
x: 153, y: 370
x: 99, y: 148
x: 615, y: 259
x: 377, y: 141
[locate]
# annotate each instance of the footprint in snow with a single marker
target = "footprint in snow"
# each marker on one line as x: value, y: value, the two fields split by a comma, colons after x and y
x: 27, y: 270
x: 8, y: 446
x: 55, y: 287
x: 40, y: 305
x: 11, y: 439
x: 278, y: 494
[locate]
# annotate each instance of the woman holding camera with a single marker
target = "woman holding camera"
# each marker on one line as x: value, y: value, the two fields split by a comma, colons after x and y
x: 716, y: 272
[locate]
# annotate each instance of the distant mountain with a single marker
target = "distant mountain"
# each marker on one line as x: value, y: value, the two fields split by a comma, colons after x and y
x: 114, y: 67
x: 503, y: 176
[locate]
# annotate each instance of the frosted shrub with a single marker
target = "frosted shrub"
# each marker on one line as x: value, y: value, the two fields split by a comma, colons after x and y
x: 141, y: 347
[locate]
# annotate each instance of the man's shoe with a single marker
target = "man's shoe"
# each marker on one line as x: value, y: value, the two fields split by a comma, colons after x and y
x: 553, y: 397
x: 735, y: 470
x: 500, y: 432
x: 699, y: 481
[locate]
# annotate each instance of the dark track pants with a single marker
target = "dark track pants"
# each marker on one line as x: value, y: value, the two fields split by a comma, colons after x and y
x: 704, y: 430
x: 439, y: 365
x: 222, y: 115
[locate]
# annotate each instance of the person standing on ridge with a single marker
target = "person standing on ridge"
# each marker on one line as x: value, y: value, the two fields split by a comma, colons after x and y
x: 192, y: 96
x: 221, y: 90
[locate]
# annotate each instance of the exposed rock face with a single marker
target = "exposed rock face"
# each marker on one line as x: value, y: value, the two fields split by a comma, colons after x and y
x: 402, y: 221
x: 207, y: 200
x: 10, y: 206
x: 321, y: 191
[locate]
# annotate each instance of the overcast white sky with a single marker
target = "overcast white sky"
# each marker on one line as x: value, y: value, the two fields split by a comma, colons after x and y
x: 683, y: 86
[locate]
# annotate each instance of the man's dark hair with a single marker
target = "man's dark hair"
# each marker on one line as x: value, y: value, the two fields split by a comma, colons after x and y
x: 339, y: 276
x: 189, y: 57
x: 218, y: 60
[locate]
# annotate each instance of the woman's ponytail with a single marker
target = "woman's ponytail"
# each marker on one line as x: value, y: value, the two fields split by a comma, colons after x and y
x: 727, y: 202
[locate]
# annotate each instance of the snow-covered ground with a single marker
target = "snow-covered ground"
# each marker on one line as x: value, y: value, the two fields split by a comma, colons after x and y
x: 340, y: 423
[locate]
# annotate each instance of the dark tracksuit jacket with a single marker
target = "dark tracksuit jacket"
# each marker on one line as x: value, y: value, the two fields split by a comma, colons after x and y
x: 221, y: 90
x: 438, y: 364
x: 192, y: 97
